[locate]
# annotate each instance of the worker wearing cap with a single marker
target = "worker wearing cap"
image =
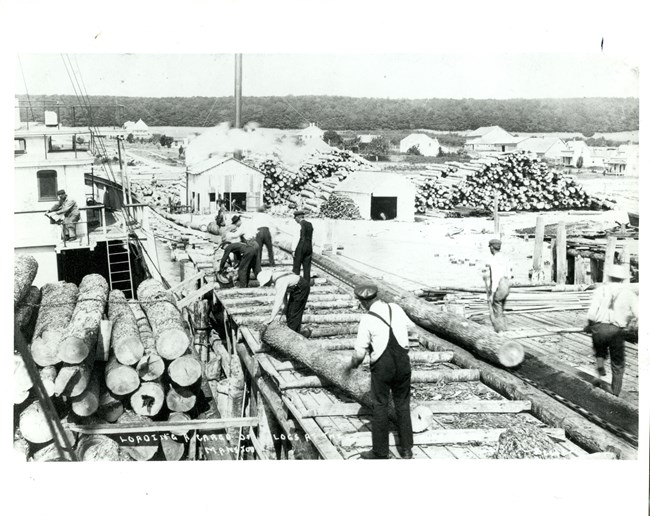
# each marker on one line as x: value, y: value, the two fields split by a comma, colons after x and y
x: 497, y: 284
x: 383, y: 333
x: 70, y: 212
x: 614, y: 308
x: 291, y: 292
x: 265, y: 228
x: 303, y: 250
x: 242, y: 241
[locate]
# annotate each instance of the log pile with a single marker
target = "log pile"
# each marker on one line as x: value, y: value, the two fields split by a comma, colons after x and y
x: 340, y: 206
x: 520, y: 183
x: 158, y: 193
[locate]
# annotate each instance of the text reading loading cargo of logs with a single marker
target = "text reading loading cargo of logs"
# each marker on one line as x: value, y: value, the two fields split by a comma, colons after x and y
x: 146, y: 439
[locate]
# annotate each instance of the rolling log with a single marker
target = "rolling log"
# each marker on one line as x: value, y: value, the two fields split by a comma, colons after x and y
x: 87, y: 402
x: 82, y: 332
x: 120, y: 379
x: 57, y: 305
x: 25, y: 269
x: 180, y: 399
x: 144, y: 447
x: 110, y: 408
x: 26, y: 311
x: 48, y: 377
x: 125, y: 337
x: 93, y: 448
x: 185, y: 370
x: 148, y: 399
x: 165, y: 319
x: 151, y: 366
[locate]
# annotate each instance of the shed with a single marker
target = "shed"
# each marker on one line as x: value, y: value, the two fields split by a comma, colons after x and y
x: 238, y: 184
x: 377, y: 193
x: 426, y: 145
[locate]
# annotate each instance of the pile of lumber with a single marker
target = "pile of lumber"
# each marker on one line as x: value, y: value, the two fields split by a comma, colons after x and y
x: 158, y: 193
x: 105, y: 360
x: 340, y: 206
x: 519, y: 182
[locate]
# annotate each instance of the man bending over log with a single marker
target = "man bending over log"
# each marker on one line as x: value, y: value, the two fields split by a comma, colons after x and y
x: 243, y: 243
x: 383, y: 333
x: 497, y: 285
x: 291, y: 292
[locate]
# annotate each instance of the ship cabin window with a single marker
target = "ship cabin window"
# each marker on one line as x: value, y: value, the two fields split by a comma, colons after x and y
x: 47, y: 186
x: 62, y: 143
x: 20, y: 146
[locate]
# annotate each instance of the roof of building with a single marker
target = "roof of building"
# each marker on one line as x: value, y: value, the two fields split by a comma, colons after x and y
x: 215, y: 162
x: 368, y: 182
x: 419, y: 138
x: 497, y: 138
x: 539, y: 145
x: 482, y: 131
x: 141, y: 125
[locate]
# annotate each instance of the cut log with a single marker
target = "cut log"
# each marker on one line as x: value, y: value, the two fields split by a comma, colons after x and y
x: 165, y: 319
x: 421, y: 418
x: 120, y: 379
x: 150, y: 367
x: 185, y: 370
x: 148, y: 399
x: 72, y: 380
x: 526, y: 441
x: 48, y: 377
x: 33, y: 424
x: 20, y: 396
x: 125, y: 336
x: 26, y: 311
x: 333, y: 330
x: 57, y: 305
x: 445, y: 375
x: 21, y: 446
x: 326, y: 318
x: 173, y: 444
x: 429, y: 437
x: 110, y: 408
x: 22, y: 380
x: 25, y: 269
x: 92, y: 448
x: 83, y: 330
x: 104, y: 340
x: 87, y: 402
x: 144, y: 446
x: 180, y: 399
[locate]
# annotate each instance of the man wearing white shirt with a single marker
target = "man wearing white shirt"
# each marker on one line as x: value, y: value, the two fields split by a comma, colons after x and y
x: 242, y: 241
x: 383, y: 334
x: 497, y: 285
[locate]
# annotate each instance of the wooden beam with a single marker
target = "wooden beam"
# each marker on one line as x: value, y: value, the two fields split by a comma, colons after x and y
x: 165, y: 426
x: 477, y: 406
x: 579, y: 272
x: 184, y: 283
x: 539, y: 248
x: 316, y: 435
x: 610, y: 251
x: 560, y: 254
x: 195, y: 295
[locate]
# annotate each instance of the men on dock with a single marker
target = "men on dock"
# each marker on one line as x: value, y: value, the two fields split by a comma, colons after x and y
x: 242, y: 242
x: 66, y: 208
x: 291, y: 294
x: 497, y: 285
x: 303, y: 249
x: 383, y: 334
x: 265, y: 229
x: 614, y: 308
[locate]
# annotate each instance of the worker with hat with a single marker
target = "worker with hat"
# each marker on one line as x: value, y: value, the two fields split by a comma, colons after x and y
x: 242, y: 243
x: 383, y: 334
x: 265, y: 230
x: 291, y: 294
x: 303, y: 249
x: 68, y: 209
x: 614, y: 308
x: 497, y: 276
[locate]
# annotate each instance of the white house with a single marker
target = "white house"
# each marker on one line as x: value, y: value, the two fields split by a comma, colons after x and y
x: 426, y: 145
x: 312, y: 132
x: 575, y: 150
x: 239, y: 185
x: 550, y: 148
x: 138, y: 129
x: 367, y: 138
x: 380, y: 195
x: 491, y: 139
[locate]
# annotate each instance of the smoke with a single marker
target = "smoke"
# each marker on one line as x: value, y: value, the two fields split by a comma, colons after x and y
x: 254, y: 142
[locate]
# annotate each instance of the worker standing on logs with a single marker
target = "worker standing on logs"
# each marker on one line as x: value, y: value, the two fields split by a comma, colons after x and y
x: 66, y: 208
x: 291, y: 293
x: 614, y: 308
x: 265, y: 228
x: 497, y: 285
x: 383, y: 333
x: 303, y: 250
x: 242, y: 241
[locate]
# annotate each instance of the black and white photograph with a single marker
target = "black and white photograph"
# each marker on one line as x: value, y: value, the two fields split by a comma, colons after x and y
x: 224, y: 254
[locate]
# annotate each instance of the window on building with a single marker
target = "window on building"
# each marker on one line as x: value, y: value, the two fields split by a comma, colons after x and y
x: 19, y: 146
x: 46, y: 185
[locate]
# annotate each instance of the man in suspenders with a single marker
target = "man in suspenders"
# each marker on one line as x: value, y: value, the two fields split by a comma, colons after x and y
x: 383, y: 334
x: 291, y: 292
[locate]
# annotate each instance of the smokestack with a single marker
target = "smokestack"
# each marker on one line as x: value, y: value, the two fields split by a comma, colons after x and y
x: 238, y: 80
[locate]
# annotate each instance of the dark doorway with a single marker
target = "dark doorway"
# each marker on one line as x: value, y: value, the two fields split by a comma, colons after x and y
x: 235, y: 201
x: 213, y: 197
x: 383, y: 208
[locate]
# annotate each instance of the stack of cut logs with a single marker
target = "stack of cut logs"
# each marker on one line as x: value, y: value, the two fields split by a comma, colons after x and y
x: 134, y: 365
x: 520, y: 183
x: 158, y: 193
x: 340, y: 206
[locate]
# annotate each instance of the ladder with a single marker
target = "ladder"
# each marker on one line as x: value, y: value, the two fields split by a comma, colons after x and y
x: 119, y: 267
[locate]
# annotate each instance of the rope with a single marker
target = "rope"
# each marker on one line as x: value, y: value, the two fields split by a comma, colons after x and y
x: 29, y: 100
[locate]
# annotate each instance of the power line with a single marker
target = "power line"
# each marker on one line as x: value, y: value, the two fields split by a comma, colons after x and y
x: 29, y: 101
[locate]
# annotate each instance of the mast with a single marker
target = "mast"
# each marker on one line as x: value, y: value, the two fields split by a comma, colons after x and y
x: 238, y: 80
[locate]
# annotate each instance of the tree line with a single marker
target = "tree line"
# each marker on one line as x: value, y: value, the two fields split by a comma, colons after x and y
x: 584, y: 115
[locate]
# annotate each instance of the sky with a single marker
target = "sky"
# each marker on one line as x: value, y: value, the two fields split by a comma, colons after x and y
x: 466, y: 75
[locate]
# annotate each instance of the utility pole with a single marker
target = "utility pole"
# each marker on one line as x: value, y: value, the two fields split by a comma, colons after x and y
x: 119, y: 157
x: 238, y: 80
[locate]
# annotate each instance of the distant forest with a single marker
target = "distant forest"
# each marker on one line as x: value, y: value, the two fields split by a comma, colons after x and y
x: 585, y: 115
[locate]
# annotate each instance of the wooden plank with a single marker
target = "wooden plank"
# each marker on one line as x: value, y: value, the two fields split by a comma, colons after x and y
x: 165, y: 426
x: 561, y: 256
x: 610, y: 251
x: 184, y: 283
x: 195, y: 295
x: 339, y: 409
x: 461, y: 452
x: 539, y: 247
x: 477, y: 406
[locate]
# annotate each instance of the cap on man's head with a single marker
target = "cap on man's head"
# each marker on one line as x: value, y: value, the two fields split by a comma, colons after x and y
x: 264, y: 277
x: 366, y: 292
x: 298, y: 213
x: 60, y: 192
x: 235, y: 219
x: 619, y: 272
x: 496, y: 243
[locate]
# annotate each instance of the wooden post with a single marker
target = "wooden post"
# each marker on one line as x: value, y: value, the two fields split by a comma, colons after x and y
x: 624, y: 258
x: 538, y: 272
x: 594, y: 266
x: 560, y: 254
x: 497, y: 225
x: 553, y: 260
x: 580, y: 276
x: 610, y: 251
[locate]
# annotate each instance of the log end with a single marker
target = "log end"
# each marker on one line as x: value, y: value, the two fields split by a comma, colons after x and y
x: 98, y: 448
x: 74, y: 350
x: 172, y: 343
x: 45, y: 349
x: 148, y: 399
x: 150, y: 367
x: 185, y: 370
x: 33, y: 425
x: 129, y: 350
x: 122, y: 380
x: 511, y: 354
